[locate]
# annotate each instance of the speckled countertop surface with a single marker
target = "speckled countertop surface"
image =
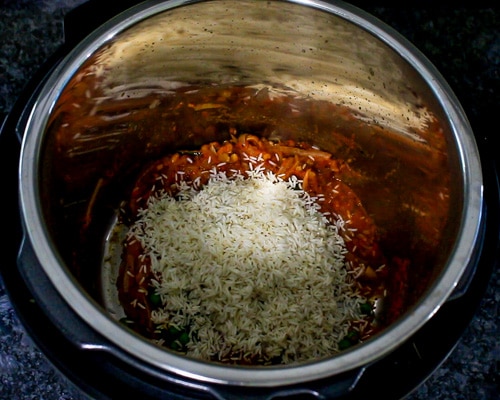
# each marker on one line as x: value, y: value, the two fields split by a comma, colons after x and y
x: 463, y: 43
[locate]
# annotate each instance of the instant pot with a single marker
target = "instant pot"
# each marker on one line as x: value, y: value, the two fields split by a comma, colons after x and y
x: 91, y: 349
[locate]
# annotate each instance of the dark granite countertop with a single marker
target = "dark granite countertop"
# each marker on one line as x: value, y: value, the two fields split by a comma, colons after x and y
x: 463, y: 43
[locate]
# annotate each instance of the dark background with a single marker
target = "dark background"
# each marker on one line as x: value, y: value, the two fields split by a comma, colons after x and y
x: 462, y: 41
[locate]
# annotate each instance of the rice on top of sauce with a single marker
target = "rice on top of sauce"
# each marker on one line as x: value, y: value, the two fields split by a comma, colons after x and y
x: 248, y: 268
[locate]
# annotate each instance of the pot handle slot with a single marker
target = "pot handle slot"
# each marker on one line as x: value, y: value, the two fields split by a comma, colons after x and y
x: 47, y: 297
x: 468, y: 275
x: 330, y: 388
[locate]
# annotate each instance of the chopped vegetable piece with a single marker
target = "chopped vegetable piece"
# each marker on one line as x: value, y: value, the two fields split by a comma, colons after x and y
x: 344, y: 344
x: 184, y: 338
x: 154, y: 299
x: 366, y: 308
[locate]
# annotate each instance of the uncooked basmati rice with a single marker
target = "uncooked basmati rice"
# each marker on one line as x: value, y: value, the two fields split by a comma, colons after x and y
x: 250, y: 267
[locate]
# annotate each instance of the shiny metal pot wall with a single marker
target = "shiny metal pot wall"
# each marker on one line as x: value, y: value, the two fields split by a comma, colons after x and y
x: 316, y: 50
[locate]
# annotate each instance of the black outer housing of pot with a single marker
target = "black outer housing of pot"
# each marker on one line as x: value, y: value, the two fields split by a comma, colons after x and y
x: 64, y: 338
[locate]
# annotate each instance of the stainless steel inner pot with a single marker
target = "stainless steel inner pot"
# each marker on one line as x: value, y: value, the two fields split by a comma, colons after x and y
x: 94, y: 108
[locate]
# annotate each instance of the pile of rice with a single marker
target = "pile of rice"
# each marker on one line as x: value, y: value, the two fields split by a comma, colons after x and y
x: 250, y: 267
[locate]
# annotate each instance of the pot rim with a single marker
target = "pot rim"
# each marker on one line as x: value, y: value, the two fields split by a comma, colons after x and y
x: 359, y: 356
